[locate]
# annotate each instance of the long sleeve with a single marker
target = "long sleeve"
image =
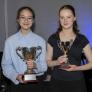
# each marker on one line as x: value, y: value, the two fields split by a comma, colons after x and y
x: 7, y: 64
x: 41, y: 62
x: 11, y: 62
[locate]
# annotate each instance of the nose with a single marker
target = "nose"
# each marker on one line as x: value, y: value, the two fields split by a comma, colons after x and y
x: 26, y: 19
x: 65, y: 19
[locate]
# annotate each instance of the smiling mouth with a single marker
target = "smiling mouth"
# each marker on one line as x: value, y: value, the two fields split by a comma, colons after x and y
x: 26, y: 24
x: 66, y: 24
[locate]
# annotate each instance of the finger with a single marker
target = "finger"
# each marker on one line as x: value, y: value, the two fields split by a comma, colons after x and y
x: 21, y: 79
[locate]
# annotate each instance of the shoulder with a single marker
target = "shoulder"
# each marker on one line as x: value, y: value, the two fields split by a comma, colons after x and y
x: 83, y: 40
x: 52, y: 40
x: 38, y: 37
x: 82, y: 37
x: 53, y: 36
x: 11, y: 38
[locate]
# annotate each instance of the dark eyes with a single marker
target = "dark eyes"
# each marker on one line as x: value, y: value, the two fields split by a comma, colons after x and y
x: 26, y: 18
x: 64, y: 17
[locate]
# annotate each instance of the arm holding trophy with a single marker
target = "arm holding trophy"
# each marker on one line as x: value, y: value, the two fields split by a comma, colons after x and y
x: 61, y: 61
x: 7, y: 66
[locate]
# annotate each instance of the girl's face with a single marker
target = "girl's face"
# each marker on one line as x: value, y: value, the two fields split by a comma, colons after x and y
x: 67, y: 19
x: 25, y: 20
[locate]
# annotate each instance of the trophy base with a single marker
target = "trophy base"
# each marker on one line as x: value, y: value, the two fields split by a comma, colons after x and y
x: 30, y: 78
x: 64, y: 65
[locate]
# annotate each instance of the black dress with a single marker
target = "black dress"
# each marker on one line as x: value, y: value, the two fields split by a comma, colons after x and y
x: 65, y: 81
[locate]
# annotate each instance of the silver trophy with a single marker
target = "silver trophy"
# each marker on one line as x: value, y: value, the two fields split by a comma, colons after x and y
x: 65, y: 47
x: 27, y: 54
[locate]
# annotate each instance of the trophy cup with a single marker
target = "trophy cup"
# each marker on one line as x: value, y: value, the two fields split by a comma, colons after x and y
x: 27, y: 54
x: 64, y: 47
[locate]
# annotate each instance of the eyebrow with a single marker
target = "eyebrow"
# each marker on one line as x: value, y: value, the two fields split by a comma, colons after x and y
x: 25, y: 16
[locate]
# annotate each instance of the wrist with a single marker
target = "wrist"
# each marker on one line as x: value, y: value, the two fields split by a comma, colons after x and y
x: 56, y: 63
x: 18, y: 76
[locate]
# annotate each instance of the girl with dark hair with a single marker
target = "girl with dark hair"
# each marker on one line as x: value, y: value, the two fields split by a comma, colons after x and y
x: 64, y: 51
x: 33, y: 16
x: 13, y: 64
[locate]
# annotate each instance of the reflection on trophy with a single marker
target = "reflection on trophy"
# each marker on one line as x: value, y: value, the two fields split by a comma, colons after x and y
x: 65, y: 47
x: 27, y: 54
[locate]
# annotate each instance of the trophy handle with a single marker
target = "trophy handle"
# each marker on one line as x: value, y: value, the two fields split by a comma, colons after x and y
x: 18, y: 51
x: 40, y: 51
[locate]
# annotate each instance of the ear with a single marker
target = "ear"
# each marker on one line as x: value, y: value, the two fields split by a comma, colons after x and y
x: 17, y: 20
x: 74, y: 18
x: 33, y: 21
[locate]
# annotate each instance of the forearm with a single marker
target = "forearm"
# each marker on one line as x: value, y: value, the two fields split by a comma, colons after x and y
x: 84, y: 67
x: 53, y: 63
x: 41, y: 67
x: 10, y: 73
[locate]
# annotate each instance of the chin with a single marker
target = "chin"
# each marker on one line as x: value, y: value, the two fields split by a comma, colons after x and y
x: 26, y: 28
x: 67, y: 27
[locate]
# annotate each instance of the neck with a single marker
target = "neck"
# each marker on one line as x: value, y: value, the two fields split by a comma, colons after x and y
x: 67, y: 32
x: 24, y: 32
x: 66, y: 35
